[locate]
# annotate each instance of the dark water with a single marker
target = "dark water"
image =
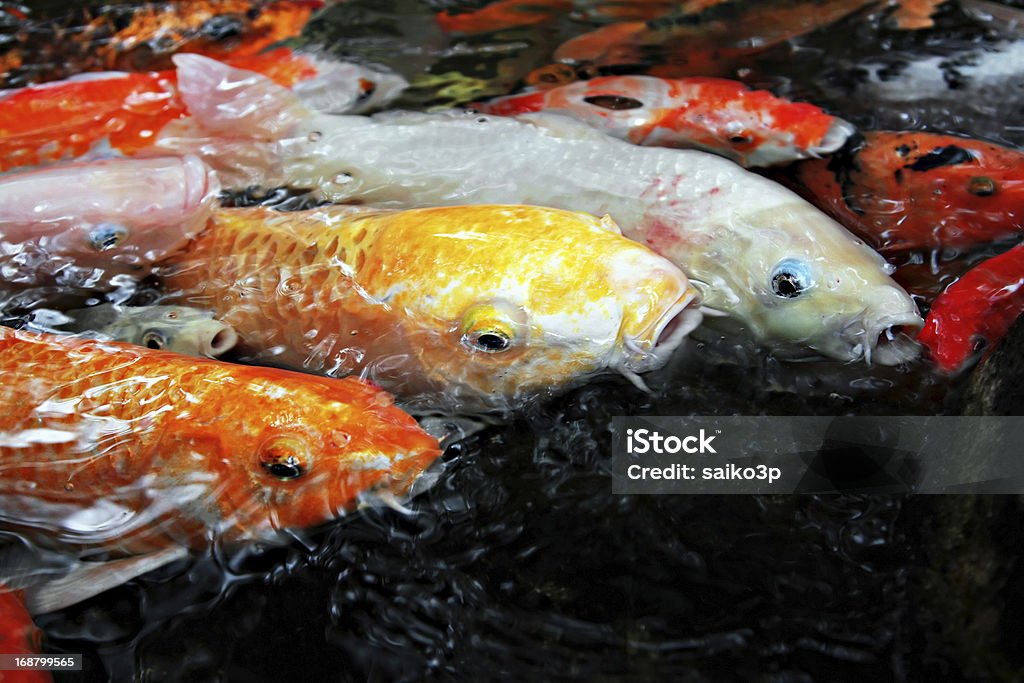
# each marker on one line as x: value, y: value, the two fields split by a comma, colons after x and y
x: 519, y: 563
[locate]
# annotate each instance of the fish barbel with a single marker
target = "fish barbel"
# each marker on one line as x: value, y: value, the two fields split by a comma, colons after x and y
x: 106, y: 447
x: 85, y: 224
x: 791, y: 275
x: 751, y: 127
x: 473, y: 307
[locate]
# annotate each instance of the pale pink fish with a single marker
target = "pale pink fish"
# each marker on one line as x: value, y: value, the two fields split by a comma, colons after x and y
x: 84, y: 223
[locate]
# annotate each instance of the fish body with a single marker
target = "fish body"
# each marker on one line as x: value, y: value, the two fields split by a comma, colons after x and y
x: 918, y: 190
x: 474, y: 307
x: 975, y: 311
x: 792, y: 276
x: 124, y: 111
x: 142, y: 36
x: 87, y: 223
x: 179, y: 329
x: 121, y: 450
x: 751, y: 127
x: 711, y: 42
x: 18, y: 636
x: 502, y: 15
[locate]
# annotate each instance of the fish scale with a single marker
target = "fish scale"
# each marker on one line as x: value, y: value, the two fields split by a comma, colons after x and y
x: 126, y: 449
x: 394, y: 294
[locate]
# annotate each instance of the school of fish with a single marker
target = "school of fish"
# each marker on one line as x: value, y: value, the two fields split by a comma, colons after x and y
x: 464, y: 261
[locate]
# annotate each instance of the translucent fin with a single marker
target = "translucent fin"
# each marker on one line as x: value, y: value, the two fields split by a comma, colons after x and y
x: 87, y: 580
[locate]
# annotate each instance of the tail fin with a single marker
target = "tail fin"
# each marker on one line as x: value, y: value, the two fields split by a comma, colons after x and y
x: 236, y: 117
x: 230, y: 101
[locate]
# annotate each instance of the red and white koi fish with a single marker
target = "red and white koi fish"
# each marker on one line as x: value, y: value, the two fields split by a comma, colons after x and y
x: 751, y: 127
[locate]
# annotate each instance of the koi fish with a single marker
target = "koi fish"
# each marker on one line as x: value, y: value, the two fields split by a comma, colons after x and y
x: 751, y: 127
x: 188, y: 331
x: 501, y: 15
x: 712, y: 42
x: 116, y: 450
x: 916, y: 190
x: 142, y: 36
x: 911, y: 15
x: 86, y: 224
x: 66, y: 119
x: 477, y: 306
x: 18, y: 636
x: 975, y: 311
x: 797, y: 280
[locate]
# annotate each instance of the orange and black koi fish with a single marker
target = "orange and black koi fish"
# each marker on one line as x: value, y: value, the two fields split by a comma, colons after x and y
x: 143, y: 37
x: 711, y: 43
x: 916, y: 190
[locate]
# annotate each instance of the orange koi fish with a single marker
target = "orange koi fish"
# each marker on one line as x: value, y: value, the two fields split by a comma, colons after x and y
x: 65, y: 119
x: 915, y: 190
x: 976, y: 311
x: 712, y: 42
x: 474, y: 306
x: 911, y: 15
x: 501, y: 15
x: 751, y: 127
x: 142, y: 37
x: 125, y: 450
x: 18, y: 636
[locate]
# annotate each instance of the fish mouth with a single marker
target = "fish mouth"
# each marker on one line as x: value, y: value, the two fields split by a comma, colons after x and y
x: 835, y: 137
x: 890, y: 341
x: 220, y: 339
x: 665, y: 335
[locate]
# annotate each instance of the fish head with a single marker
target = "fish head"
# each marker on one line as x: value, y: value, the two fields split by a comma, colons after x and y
x: 108, y: 217
x: 952, y: 178
x: 181, y: 329
x: 807, y: 287
x: 502, y: 302
x: 296, y: 451
x: 752, y: 127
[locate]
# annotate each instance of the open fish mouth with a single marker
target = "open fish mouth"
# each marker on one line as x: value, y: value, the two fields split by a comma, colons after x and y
x: 665, y: 335
x: 889, y: 341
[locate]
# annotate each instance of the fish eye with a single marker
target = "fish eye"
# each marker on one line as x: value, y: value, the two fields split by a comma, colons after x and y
x: 153, y: 339
x: 790, y: 279
x: 285, y: 458
x: 488, y: 341
x: 613, y: 102
x: 743, y: 138
x: 982, y: 186
x: 488, y: 329
x: 107, y: 236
